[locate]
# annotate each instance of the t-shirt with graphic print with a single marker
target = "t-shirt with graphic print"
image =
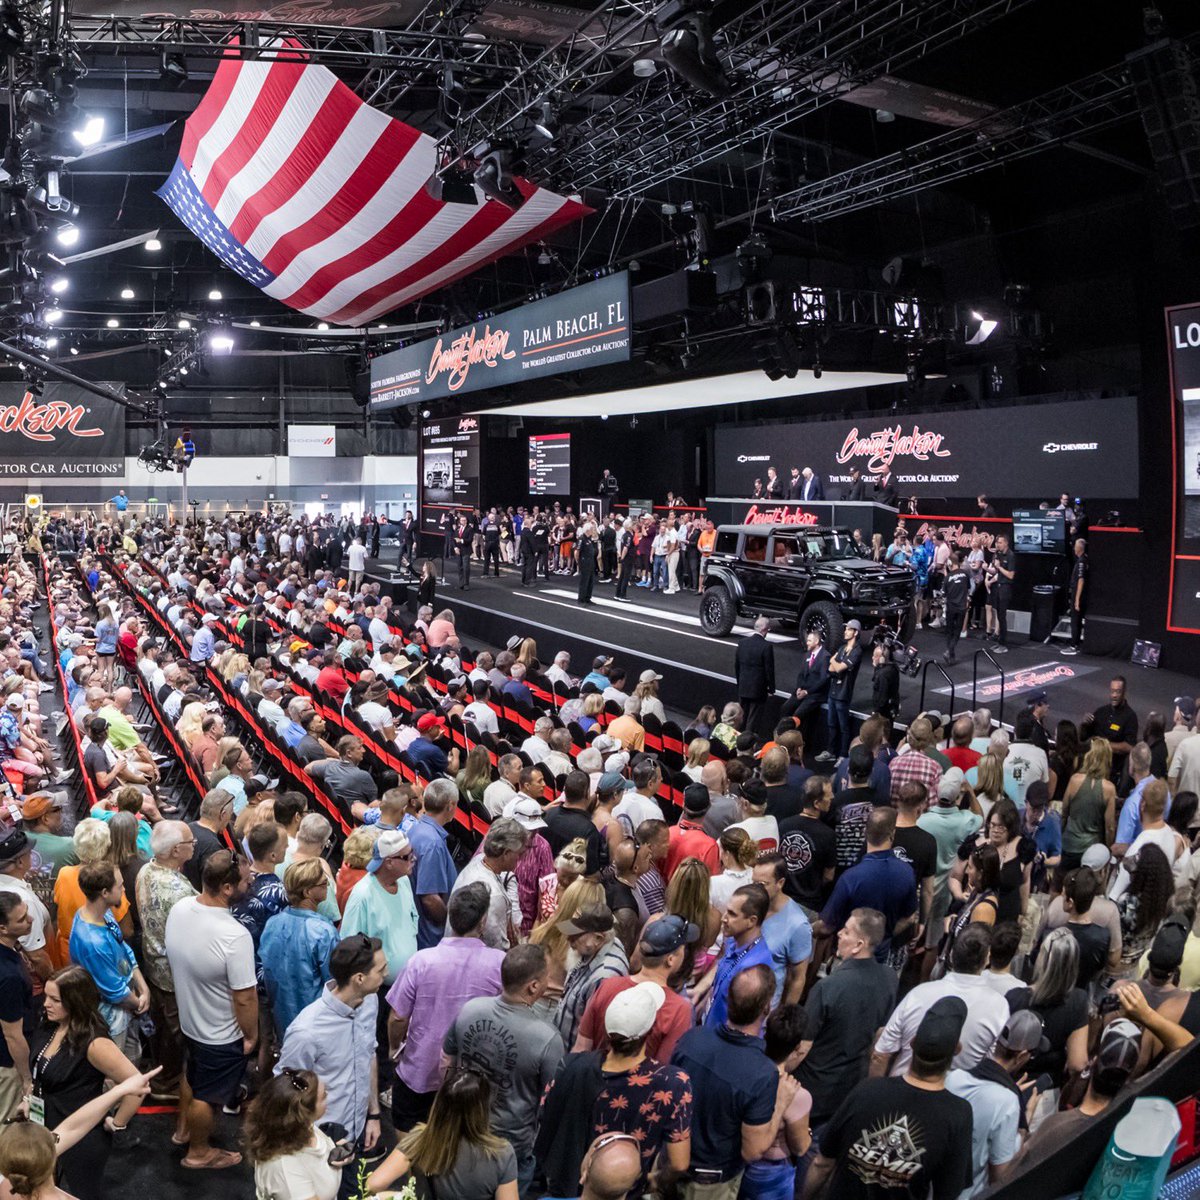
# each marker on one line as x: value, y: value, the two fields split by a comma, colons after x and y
x: 849, y: 812
x: 893, y: 1141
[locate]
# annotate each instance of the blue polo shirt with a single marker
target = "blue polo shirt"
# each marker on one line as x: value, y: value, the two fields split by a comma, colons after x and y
x: 732, y: 962
x: 1129, y: 823
x: 880, y: 881
x: 428, y: 757
x: 433, y: 874
x: 733, y: 1084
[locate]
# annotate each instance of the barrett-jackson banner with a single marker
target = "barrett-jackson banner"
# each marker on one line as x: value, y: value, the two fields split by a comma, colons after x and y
x: 65, y: 433
x: 1086, y: 448
x: 586, y: 326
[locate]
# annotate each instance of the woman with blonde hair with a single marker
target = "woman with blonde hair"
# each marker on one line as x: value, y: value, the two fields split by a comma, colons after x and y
x: 527, y: 653
x: 1089, y: 805
x: 591, y: 710
x: 568, y: 867
x: 581, y: 894
x: 475, y: 775
x: 646, y: 694
x: 357, y: 850
x: 989, y: 783
x: 699, y: 751
x: 237, y: 670
x: 738, y: 856
x: 190, y: 723
x: 688, y: 896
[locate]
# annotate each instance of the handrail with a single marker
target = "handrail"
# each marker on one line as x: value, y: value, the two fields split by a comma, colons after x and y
x: 933, y: 662
x: 975, y: 680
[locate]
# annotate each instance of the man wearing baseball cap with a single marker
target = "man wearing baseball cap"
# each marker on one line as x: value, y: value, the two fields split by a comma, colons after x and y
x: 621, y: 1091
x: 996, y: 1102
x: 688, y: 838
x: 41, y: 817
x: 663, y: 948
x: 906, y: 1130
x: 426, y: 750
x: 1184, y: 725
x: 381, y: 904
x: 600, y: 955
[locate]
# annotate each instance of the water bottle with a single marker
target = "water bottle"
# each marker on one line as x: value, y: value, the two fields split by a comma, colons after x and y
x: 1138, y: 1154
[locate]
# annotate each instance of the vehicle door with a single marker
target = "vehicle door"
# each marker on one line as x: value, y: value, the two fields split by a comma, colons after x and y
x: 789, y: 576
x: 754, y: 570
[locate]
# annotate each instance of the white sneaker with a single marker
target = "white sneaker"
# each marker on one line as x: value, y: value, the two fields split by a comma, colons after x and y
x: 63, y: 776
x: 45, y: 687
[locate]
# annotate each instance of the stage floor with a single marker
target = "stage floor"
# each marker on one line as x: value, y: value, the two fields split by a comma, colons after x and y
x: 654, y: 630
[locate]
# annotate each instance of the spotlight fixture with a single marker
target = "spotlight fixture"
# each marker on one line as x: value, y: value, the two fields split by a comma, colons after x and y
x: 214, y: 295
x: 112, y: 323
x: 52, y: 343
x: 47, y: 199
x: 127, y: 293
x: 59, y: 285
x: 74, y: 351
x: 53, y: 316
x: 547, y: 124
x: 222, y: 343
x: 183, y: 370
x: 255, y: 324
x: 978, y: 329
x: 68, y: 235
x: 452, y: 186
x: 183, y: 323
x: 323, y: 326
x: 152, y: 244
x: 173, y: 70
x: 90, y: 133
x: 494, y: 179
x: 645, y: 68
x: 688, y: 50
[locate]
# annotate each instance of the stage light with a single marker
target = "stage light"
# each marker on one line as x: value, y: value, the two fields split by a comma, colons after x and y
x: 255, y: 324
x: 323, y: 326
x: 46, y: 198
x: 168, y: 351
x: 221, y: 342
x: 68, y: 235
x: 425, y: 413
x: 91, y: 132
x: 979, y: 328
x: 59, y: 285
x: 173, y: 70
x: 74, y: 351
x: 547, y: 124
x: 54, y: 315
x: 494, y: 179
x: 52, y: 343
x: 645, y: 68
x: 688, y: 51
x: 127, y: 293
x: 452, y: 186
x: 183, y: 370
x: 112, y: 323
x: 153, y: 244
x: 214, y: 294
x: 183, y: 323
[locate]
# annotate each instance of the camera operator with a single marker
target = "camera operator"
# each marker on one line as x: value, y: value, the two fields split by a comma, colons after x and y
x: 957, y: 592
x: 885, y: 681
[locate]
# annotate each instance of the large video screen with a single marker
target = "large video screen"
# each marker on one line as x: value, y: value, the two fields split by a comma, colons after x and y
x: 1183, y: 347
x: 1036, y: 531
x: 1081, y: 447
x: 550, y: 464
x: 449, y: 468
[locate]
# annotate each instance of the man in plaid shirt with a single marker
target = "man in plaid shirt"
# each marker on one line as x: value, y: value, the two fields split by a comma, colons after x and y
x: 915, y: 766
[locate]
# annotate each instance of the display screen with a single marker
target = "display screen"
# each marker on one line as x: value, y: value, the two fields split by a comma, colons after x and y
x: 1036, y: 531
x: 1085, y: 448
x: 550, y: 464
x: 1183, y: 347
x: 449, y: 469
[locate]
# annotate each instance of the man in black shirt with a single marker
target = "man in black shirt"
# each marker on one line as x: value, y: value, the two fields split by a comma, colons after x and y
x: 903, y: 1136
x: 1077, y: 593
x: 916, y: 846
x: 851, y: 807
x: 843, y: 671
x: 1001, y: 570
x: 587, y: 553
x: 216, y: 811
x: 608, y: 485
x: 1117, y: 722
x: 570, y: 820
x: 809, y: 848
x: 958, y: 595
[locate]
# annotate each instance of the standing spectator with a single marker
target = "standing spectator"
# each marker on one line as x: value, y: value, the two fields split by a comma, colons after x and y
x: 600, y: 955
x: 211, y: 832
x: 496, y: 868
x: 517, y: 1051
x: 688, y: 838
x: 381, y: 904
x: 809, y: 847
x: 843, y: 672
x: 292, y: 1155
x: 265, y: 896
x: 334, y: 1037
x: 356, y: 562
x: 786, y: 930
x: 754, y: 671
x: 1089, y: 805
x: 906, y: 1127
x: 211, y: 955
x: 1026, y: 762
x: 16, y: 860
x: 1117, y: 723
x: 296, y: 944
x: 427, y: 997
x: 161, y: 884
x: 743, y: 947
x: 739, y: 1098
x: 16, y: 1004
x: 434, y: 871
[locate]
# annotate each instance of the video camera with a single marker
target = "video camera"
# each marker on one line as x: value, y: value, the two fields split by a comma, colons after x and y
x: 157, y: 457
x: 906, y: 657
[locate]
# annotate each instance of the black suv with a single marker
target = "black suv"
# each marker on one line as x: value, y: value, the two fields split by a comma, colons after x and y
x: 808, y: 574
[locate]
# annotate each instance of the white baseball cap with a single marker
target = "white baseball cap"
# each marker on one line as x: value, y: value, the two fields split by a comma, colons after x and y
x: 631, y: 1013
x: 528, y: 814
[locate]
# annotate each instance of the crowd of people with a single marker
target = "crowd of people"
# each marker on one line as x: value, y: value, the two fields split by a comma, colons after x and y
x: 505, y: 941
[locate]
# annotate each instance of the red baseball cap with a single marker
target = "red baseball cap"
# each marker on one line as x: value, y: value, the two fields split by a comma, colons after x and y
x: 430, y: 721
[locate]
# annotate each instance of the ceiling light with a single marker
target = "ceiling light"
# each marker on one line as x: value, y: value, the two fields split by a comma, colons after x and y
x: 60, y: 285
x: 112, y: 322
x: 183, y: 370
x: 255, y: 323
x: 688, y: 50
x: 645, y: 68
x: 68, y: 235
x: 494, y: 179
x: 324, y: 325
x: 74, y: 350
x: 127, y: 293
x: 91, y: 132
x: 183, y: 323
x: 52, y: 343
x: 214, y: 294
x: 153, y: 244
x: 173, y: 70
x: 221, y: 342
x: 54, y: 315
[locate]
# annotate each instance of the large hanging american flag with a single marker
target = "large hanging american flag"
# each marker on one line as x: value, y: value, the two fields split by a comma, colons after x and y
x: 321, y: 201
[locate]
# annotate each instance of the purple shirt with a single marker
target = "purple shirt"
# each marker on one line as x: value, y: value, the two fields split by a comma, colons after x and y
x: 430, y: 990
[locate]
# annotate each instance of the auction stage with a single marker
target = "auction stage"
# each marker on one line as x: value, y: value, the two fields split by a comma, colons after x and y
x: 662, y: 632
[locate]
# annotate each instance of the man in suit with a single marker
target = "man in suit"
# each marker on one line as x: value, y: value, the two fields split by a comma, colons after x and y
x: 885, y: 489
x: 812, y: 489
x: 795, y: 485
x: 858, y: 487
x: 812, y: 684
x: 754, y: 670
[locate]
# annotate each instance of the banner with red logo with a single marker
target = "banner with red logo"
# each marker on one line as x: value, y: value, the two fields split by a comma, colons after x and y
x: 64, y: 433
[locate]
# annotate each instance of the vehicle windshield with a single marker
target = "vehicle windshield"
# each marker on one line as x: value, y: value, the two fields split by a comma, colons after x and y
x: 815, y: 546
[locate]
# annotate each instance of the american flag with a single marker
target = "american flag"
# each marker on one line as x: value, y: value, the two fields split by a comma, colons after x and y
x: 321, y: 201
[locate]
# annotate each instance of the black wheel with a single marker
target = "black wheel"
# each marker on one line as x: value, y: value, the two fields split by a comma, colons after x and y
x: 825, y: 619
x: 718, y: 613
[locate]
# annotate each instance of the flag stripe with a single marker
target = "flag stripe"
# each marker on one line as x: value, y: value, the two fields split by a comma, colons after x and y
x: 245, y: 162
x: 321, y: 200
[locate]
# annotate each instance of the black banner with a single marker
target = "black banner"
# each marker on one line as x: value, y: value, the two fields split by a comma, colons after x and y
x: 1183, y: 349
x: 65, y: 433
x: 586, y: 326
x: 1085, y: 448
